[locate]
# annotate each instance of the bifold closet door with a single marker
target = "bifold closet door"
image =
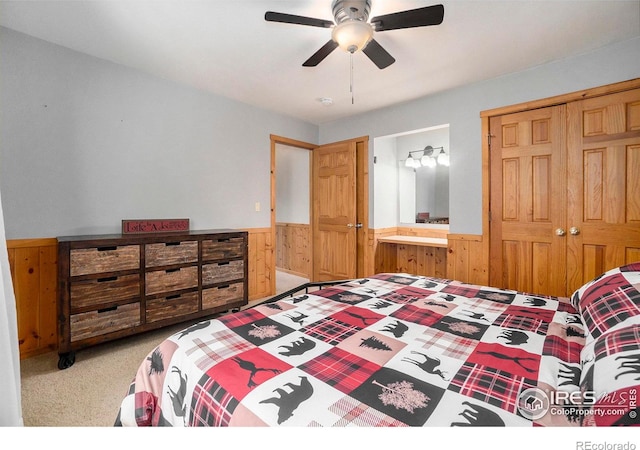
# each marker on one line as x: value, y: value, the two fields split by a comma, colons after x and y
x: 528, y: 208
x: 604, y: 185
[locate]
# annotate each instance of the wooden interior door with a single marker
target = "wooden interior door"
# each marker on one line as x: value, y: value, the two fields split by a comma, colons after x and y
x: 604, y: 185
x: 334, y: 212
x: 527, y: 206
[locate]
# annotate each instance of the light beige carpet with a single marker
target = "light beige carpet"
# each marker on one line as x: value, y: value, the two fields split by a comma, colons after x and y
x: 88, y: 394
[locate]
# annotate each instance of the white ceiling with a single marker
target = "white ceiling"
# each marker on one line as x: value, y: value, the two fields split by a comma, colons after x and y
x: 226, y: 47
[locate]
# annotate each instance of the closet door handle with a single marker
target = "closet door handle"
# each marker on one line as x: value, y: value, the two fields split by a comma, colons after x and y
x: 560, y: 232
x: 574, y: 231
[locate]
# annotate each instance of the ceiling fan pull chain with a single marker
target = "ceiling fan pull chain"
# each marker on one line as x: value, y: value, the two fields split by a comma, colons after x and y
x: 351, y: 76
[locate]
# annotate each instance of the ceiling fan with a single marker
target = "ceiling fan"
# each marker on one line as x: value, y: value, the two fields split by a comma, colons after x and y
x: 352, y: 31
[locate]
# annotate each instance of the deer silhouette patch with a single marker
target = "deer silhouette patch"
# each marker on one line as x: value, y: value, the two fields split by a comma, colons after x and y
x: 429, y: 365
x: 178, y: 396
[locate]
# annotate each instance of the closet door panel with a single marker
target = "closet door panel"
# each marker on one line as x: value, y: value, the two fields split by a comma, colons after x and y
x: 528, y: 210
x: 603, y: 208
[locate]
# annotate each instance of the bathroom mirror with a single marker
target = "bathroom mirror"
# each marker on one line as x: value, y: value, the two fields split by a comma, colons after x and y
x: 423, y: 187
x: 421, y: 194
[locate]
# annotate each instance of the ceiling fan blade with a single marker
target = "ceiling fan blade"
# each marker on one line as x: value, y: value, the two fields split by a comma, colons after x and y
x: 271, y: 16
x: 321, y: 54
x: 378, y: 55
x: 421, y: 17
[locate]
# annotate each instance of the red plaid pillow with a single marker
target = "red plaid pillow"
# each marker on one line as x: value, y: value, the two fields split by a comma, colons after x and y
x: 610, y: 301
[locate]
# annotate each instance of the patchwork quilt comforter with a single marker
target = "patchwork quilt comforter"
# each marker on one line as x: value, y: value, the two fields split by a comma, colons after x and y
x: 388, y: 350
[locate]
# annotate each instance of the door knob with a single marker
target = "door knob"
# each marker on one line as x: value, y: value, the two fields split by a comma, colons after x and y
x: 560, y: 231
x: 574, y: 231
x: 349, y: 225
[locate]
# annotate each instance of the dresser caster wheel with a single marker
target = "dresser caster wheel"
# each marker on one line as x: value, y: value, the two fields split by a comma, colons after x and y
x: 66, y: 360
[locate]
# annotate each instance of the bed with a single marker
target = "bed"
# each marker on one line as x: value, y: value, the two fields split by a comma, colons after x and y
x: 398, y: 350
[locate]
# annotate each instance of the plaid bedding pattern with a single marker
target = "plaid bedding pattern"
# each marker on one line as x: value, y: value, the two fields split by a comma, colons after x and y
x: 610, y: 307
x: 388, y: 350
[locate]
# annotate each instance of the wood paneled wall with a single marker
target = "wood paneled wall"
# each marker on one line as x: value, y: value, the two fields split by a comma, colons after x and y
x: 293, y: 248
x: 262, y: 282
x: 468, y: 258
x: 33, y: 265
x: 34, y: 272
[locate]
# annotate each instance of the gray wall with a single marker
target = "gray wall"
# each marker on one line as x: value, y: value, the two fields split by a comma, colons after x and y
x: 461, y: 109
x: 85, y: 143
x: 292, y: 184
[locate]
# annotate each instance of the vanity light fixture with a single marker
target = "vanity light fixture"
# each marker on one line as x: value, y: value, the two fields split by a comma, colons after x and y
x: 443, y: 158
x: 426, y: 158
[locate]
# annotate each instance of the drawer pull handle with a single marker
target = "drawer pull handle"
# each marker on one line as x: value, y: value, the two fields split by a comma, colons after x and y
x: 173, y: 297
x: 103, y: 310
x: 224, y: 263
x: 107, y: 249
x: 168, y: 244
x: 172, y: 270
x: 103, y: 280
x: 224, y: 286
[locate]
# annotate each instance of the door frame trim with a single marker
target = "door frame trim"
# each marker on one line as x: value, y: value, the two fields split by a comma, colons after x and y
x: 275, y: 139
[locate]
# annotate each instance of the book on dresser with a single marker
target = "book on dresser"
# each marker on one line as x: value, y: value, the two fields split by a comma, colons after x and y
x: 118, y: 285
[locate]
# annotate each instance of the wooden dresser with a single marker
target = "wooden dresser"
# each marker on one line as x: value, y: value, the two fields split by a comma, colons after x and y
x: 113, y: 286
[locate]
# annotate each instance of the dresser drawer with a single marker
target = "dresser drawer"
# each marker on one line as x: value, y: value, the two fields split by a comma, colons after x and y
x: 171, y: 280
x: 221, y: 272
x: 116, y: 285
x: 84, y: 261
x: 215, y: 249
x: 222, y: 295
x: 103, y: 321
x: 171, y: 306
x: 164, y: 254
x: 87, y: 293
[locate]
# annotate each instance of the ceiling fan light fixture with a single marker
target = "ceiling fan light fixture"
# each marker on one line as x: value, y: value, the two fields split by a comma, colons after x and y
x: 352, y: 35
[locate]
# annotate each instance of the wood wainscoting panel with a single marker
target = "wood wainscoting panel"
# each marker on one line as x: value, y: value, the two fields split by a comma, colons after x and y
x: 384, y: 257
x: 33, y: 264
x: 293, y: 248
x: 418, y: 260
x: 262, y: 280
x: 468, y: 259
